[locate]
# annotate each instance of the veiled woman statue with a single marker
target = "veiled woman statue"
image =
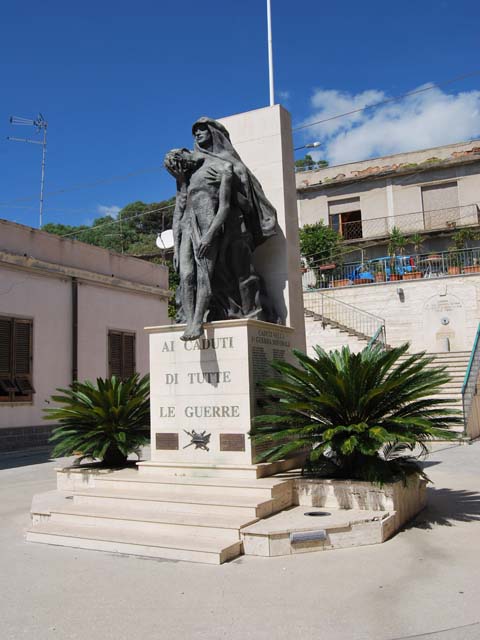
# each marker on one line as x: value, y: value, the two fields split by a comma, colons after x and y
x: 221, y: 216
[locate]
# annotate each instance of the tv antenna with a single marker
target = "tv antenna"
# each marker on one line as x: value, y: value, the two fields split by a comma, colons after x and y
x: 40, y: 125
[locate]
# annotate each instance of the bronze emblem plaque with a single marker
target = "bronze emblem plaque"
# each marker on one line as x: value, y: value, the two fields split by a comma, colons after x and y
x: 166, y: 441
x: 232, y: 442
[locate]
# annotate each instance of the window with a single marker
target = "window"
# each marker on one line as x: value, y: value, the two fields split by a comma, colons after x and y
x: 121, y: 354
x: 440, y: 205
x: 16, y: 337
x: 345, y: 217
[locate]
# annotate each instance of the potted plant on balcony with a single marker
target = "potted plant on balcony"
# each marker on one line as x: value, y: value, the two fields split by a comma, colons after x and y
x: 379, y: 272
x: 417, y: 241
x: 396, y: 246
x: 460, y: 240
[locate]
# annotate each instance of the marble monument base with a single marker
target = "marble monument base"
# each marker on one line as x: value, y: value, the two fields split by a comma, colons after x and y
x: 205, y: 393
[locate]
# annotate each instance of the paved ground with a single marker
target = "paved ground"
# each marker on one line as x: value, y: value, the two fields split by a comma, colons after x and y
x: 424, y: 583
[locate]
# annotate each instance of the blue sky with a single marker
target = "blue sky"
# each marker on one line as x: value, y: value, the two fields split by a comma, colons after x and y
x: 120, y: 83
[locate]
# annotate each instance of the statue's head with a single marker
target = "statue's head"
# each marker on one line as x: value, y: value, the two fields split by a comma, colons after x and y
x: 210, y: 135
x: 180, y: 162
x: 202, y: 135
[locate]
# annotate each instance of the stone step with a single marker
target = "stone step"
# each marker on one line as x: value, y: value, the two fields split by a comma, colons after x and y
x: 209, y: 503
x: 187, y: 547
x: 143, y: 518
x: 264, y: 488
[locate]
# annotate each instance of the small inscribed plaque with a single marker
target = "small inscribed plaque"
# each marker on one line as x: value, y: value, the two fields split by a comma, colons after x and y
x: 232, y: 442
x: 166, y: 441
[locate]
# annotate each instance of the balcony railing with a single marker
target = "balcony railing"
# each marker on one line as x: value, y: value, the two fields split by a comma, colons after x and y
x: 389, y: 269
x: 435, y: 220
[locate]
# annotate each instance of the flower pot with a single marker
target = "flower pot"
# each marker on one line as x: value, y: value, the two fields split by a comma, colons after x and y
x: 379, y: 277
x: 413, y: 275
x: 474, y: 268
x: 342, y: 283
x: 453, y: 271
x: 362, y: 281
x: 395, y: 276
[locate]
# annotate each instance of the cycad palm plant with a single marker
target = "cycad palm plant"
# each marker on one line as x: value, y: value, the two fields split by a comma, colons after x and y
x: 356, y: 415
x: 107, y: 421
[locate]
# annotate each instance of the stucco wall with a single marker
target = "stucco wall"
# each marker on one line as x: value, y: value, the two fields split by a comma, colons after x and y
x: 32, y: 243
x: 101, y: 309
x: 416, y: 316
x: 405, y: 198
x: 47, y: 301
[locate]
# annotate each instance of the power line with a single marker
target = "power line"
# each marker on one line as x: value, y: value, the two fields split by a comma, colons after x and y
x: 119, y: 221
x: 389, y: 100
x: 299, y: 128
x: 87, y: 185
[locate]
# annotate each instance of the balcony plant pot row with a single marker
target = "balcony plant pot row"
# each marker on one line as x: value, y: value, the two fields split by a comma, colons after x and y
x: 474, y: 268
x: 412, y: 275
x: 345, y: 282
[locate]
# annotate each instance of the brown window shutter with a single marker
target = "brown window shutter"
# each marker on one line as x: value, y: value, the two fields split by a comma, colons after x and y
x: 128, y: 355
x: 22, y: 343
x: 6, y: 326
x: 114, y: 354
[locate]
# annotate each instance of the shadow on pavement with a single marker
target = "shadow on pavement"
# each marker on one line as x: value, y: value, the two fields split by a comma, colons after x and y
x: 447, y: 506
x: 15, y: 459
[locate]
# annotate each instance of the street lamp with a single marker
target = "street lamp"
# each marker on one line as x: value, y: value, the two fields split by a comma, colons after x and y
x: 309, y: 145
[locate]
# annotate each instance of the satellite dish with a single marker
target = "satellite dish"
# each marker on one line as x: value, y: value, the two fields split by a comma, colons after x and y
x: 165, y: 239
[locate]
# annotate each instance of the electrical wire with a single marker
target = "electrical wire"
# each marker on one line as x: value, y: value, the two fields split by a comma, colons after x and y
x: 119, y: 221
x: 434, y: 85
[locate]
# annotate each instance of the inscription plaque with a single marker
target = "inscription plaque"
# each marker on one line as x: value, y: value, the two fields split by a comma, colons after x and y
x: 232, y: 442
x: 166, y: 441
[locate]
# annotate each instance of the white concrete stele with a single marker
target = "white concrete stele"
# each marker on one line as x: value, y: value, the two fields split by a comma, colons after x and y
x: 263, y: 139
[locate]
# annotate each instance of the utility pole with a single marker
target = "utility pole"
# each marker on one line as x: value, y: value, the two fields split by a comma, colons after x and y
x: 41, y: 125
x: 270, y: 54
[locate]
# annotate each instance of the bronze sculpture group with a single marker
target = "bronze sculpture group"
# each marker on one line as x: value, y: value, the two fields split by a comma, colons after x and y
x: 221, y: 216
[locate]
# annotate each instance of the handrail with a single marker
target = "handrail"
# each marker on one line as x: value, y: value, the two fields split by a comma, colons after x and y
x: 378, y: 337
x: 361, y: 323
x: 471, y: 377
x: 470, y: 362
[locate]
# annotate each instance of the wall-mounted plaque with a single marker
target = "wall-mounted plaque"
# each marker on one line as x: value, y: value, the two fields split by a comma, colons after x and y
x: 232, y: 442
x: 166, y: 441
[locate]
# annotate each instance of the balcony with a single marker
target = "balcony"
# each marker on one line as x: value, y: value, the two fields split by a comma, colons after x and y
x: 436, y: 220
x: 390, y: 269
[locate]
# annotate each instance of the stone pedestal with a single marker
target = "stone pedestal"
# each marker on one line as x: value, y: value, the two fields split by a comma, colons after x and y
x: 204, y: 394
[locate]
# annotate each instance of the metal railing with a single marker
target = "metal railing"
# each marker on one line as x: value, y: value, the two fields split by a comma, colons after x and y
x: 469, y: 386
x: 392, y: 268
x: 434, y: 220
x: 347, y: 317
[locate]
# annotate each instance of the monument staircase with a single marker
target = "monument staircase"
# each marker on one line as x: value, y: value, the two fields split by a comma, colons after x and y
x: 145, y: 512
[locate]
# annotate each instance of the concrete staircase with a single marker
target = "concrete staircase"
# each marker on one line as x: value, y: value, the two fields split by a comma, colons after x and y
x: 147, y: 514
x: 330, y: 335
x: 456, y: 363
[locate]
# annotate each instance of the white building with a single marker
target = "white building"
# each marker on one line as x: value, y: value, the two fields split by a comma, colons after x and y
x: 68, y: 310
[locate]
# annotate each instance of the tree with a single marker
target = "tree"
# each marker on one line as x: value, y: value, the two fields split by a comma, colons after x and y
x: 319, y: 243
x: 107, y: 421
x: 309, y: 163
x: 356, y: 415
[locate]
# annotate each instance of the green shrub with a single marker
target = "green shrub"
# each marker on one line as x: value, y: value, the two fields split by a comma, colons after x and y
x: 107, y: 421
x: 357, y: 416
